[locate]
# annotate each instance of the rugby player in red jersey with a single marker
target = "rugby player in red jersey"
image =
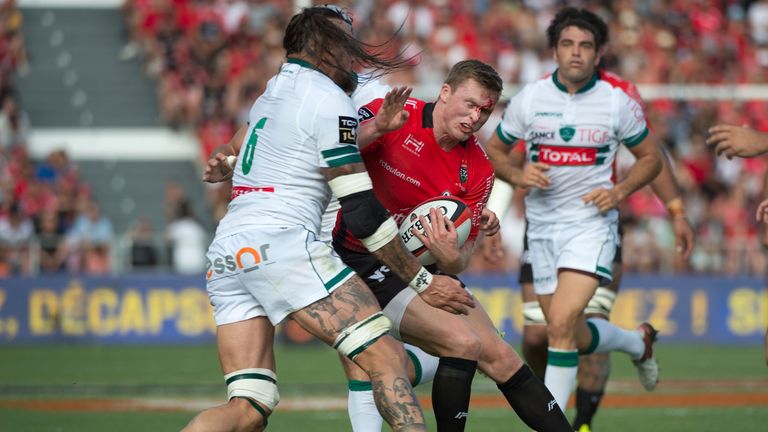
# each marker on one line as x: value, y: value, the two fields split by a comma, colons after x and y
x: 413, y: 151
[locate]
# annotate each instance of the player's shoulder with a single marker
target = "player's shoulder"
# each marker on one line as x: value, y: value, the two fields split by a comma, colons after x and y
x: 475, y: 149
x: 415, y: 107
x: 618, y: 84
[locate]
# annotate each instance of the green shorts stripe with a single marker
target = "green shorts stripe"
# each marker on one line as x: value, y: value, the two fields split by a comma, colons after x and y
x: 602, y: 271
x: 338, y: 278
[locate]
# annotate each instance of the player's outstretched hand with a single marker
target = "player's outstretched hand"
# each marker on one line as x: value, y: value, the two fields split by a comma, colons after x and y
x: 447, y: 294
x: 217, y: 169
x: 734, y: 141
x: 392, y: 115
x: 534, y: 175
x: 684, y: 236
x: 603, y: 199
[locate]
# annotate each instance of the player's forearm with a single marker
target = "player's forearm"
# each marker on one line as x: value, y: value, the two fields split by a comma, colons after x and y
x: 665, y: 184
x: 367, y: 133
x: 395, y: 256
x: 645, y: 169
x: 504, y: 166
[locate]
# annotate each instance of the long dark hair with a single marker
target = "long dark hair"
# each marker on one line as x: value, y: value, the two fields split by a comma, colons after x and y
x: 312, y: 32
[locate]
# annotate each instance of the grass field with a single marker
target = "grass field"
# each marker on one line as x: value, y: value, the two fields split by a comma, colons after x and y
x: 139, y: 388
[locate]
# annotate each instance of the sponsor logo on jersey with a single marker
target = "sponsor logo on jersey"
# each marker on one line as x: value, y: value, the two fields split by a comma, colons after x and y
x: 568, y: 156
x: 364, y: 114
x: 542, y: 136
x: 463, y: 172
x: 567, y: 133
x: 347, y: 130
x: 379, y: 275
x: 246, y: 259
x: 413, y: 145
x: 547, y: 114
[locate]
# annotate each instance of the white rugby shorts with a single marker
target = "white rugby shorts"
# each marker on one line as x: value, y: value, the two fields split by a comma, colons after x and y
x: 270, y: 271
x: 586, y: 246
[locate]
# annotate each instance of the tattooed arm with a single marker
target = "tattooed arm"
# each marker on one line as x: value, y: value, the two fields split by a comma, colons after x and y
x: 443, y: 292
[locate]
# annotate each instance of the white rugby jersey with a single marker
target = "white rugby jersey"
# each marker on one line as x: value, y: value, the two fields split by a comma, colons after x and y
x: 303, y: 122
x: 366, y: 91
x: 577, y: 135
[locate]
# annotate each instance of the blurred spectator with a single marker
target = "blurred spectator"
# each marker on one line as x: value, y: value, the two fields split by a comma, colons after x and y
x: 14, y: 124
x: 143, y: 246
x: 211, y: 59
x: 88, y: 241
x: 174, y: 198
x: 188, y: 242
x: 16, y: 232
x: 50, y: 237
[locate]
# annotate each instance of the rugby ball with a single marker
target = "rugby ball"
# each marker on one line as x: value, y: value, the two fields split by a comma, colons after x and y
x: 453, y: 208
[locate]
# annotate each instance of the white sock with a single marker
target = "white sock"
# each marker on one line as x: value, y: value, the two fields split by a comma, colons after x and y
x: 613, y: 338
x: 425, y: 364
x: 560, y: 377
x: 362, y: 408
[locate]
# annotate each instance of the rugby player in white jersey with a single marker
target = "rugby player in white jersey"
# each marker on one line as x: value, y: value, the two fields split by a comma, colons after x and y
x: 361, y: 406
x: 267, y: 263
x: 572, y: 123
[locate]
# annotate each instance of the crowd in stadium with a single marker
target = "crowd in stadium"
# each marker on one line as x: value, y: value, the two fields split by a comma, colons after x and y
x: 211, y: 58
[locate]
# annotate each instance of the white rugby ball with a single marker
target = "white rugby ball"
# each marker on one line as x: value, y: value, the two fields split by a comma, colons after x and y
x: 453, y: 208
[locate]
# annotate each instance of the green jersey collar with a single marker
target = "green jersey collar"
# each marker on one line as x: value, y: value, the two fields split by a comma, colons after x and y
x: 302, y: 63
x: 584, y: 89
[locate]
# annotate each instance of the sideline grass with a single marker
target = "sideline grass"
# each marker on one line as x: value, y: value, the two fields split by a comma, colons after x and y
x: 64, y: 371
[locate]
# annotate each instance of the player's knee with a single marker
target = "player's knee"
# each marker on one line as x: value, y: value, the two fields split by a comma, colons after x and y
x: 466, y: 344
x: 358, y: 337
x: 560, y: 328
x: 499, y: 360
x: 247, y: 418
x: 253, y: 391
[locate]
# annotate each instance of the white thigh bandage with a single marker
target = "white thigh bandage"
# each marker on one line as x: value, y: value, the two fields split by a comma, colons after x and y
x: 601, y: 303
x: 255, y: 383
x: 356, y: 338
x: 532, y: 314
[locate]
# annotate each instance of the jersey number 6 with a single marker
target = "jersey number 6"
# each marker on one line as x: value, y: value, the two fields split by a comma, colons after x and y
x: 250, y: 147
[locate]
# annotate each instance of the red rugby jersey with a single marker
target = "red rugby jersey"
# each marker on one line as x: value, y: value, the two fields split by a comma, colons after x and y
x: 407, y: 167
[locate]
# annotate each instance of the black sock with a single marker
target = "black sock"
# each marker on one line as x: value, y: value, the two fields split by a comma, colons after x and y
x: 533, y: 402
x: 586, y: 407
x: 451, y: 389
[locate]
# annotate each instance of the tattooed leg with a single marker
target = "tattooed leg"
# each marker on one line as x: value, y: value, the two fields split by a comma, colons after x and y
x: 384, y: 361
